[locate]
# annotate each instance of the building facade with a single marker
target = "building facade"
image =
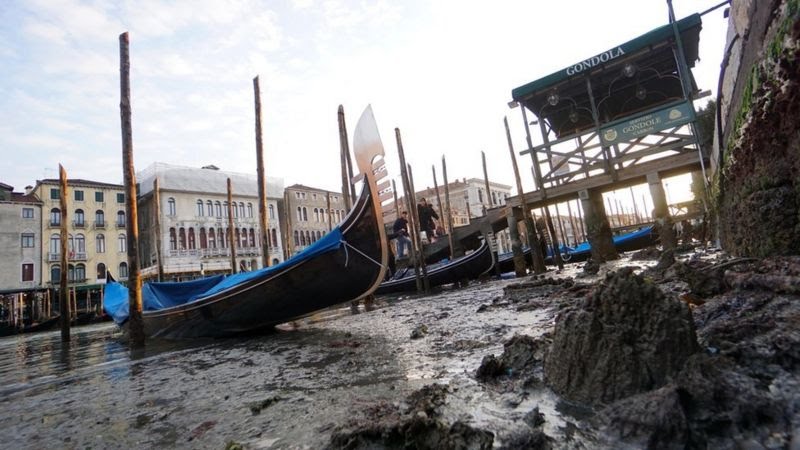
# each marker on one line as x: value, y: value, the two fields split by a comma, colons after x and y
x: 194, y: 223
x: 310, y: 214
x: 96, y: 220
x: 20, y: 240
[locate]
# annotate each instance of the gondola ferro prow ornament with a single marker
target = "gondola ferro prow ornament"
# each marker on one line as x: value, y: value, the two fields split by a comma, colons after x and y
x: 369, y: 155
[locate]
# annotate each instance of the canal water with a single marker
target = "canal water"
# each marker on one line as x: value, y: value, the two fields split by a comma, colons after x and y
x: 287, y: 389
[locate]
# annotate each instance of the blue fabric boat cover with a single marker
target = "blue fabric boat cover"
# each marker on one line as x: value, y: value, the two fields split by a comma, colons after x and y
x: 621, y: 239
x: 157, y: 296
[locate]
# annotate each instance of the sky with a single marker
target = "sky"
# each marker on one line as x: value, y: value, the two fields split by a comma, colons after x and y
x: 441, y: 71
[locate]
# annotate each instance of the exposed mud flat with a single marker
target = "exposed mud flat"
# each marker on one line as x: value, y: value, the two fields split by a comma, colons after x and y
x: 460, y: 368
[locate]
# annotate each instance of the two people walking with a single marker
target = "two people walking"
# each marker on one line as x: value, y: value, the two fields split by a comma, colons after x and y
x: 426, y: 216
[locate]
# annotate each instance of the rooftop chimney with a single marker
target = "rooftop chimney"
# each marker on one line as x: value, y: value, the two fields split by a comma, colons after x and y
x: 28, y: 189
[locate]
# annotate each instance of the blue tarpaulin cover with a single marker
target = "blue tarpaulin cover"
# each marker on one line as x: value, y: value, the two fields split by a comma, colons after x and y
x: 157, y: 296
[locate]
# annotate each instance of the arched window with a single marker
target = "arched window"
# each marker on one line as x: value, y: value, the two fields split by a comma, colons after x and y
x: 241, y: 210
x: 299, y: 214
x: 480, y: 195
x: 305, y: 214
x: 182, y: 239
x: 203, y: 240
x: 225, y: 209
x: 122, y: 243
x: 237, y: 237
x: 55, y: 245
x: 171, y: 208
x: 271, y: 209
x: 70, y: 272
x: 252, y: 237
x: 101, y: 271
x: 296, y: 238
x: 494, y: 197
x: 100, y: 244
x: 71, y: 246
x: 79, y: 218
x: 221, y: 237
x: 80, y: 272
x: 249, y: 209
x: 99, y: 219
x: 55, y: 273
x: 210, y: 208
x: 275, y: 261
x: 55, y: 217
x: 274, y: 237
x: 200, y: 210
x: 218, y: 206
x: 123, y: 270
x: 319, y: 235
x: 316, y: 214
x: 308, y: 237
x: 80, y: 243
x: 192, y: 242
x: 212, y: 238
x: 302, y: 238
x: 234, y: 210
x: 120, y: 219
x: 173, y: 239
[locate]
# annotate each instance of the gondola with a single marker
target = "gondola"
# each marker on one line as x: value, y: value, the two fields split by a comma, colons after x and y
x: 468, y: 267
x: 635, y: 240
x: 346, y: 264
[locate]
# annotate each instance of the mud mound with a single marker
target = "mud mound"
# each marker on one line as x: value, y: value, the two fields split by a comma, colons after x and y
x: 521, y: 355
x: 626, y: 338
x: 646, y: 254
x: 742, y: 393
x: 417, y: 425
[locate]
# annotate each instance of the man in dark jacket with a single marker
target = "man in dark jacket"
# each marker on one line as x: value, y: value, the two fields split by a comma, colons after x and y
x: 400, y: 229
x: 426, y: 216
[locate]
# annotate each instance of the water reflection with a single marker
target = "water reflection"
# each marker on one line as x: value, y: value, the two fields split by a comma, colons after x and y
x: 42, y: 359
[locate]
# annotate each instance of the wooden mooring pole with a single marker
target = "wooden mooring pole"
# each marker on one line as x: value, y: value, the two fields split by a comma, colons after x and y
x: 262, y: 182
x: 63, y: 297
x: 231, y: 240
x: 533, y: 240
x: 486, y: 184
x: 418, y: 229
x: 449, y: 214
x: 438, y: 197
x: 157, y: 223
x: 135, y: 324
x: 411, y: 207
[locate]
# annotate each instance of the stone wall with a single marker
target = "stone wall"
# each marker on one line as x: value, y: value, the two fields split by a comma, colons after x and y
x: 757, y: 159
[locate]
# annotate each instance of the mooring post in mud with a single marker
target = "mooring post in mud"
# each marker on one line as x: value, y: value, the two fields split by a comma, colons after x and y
x: 488, y: 203
x: 347, y: 161
x: 536, y: 254
x: 157, y: 226
x: 231, y: 240
x: 262, y: 182
x: 421, y: 254
x: 636, y: 215
x: 554, y: 239
x: 396, y: 204
x: 597, y: 227
x: 63, y: 297
x: 135, y: 324
x: 662, y: 217
x: 448, y: 213
x: 438, y: 197
x: 413, y: 225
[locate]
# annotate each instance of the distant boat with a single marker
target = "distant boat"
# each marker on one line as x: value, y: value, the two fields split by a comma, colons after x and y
x: 468, y: 267
x: 635, y: 240
x: 45, y: 325
x: 346, y: 264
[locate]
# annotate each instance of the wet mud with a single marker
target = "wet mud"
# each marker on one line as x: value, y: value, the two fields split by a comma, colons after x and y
x: 461, y: 368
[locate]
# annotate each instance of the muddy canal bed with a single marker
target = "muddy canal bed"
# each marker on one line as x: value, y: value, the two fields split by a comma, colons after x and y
x: 289, y: 389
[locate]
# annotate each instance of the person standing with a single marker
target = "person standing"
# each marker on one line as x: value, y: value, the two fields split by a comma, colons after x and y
x: 400, y: 229
x: 426, y: 216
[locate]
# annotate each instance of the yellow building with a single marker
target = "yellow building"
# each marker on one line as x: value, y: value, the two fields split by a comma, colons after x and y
x: 96, y: 225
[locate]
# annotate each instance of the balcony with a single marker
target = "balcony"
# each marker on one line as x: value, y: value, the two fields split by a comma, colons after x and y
x: 53, y: 257
x: 78, y: 256
x: 76, y: 224
x: 55, y: 224
x: 99, y: 225
x: 120, y: 224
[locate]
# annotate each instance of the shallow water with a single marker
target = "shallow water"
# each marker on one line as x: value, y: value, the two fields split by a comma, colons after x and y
x: 288, y: 389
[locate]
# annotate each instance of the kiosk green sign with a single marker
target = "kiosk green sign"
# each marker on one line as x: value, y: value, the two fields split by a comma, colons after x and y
x: 669, y: 117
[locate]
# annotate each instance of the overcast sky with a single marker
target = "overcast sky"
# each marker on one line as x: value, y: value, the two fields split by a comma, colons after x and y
x: 441, y: 71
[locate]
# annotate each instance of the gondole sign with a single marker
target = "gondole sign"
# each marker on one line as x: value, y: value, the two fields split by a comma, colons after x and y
x: 649, y: 123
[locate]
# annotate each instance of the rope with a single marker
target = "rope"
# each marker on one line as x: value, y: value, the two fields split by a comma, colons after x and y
x: 346, y: 244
